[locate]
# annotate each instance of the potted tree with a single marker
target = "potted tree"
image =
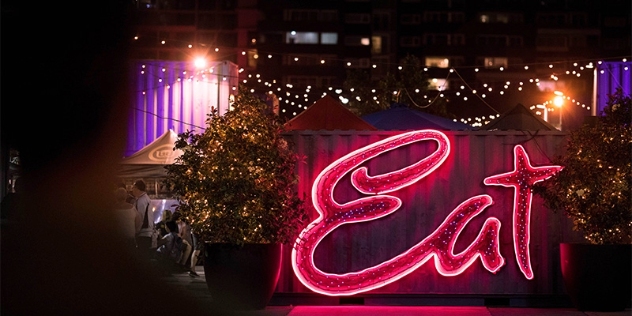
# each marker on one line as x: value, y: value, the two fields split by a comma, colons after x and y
x: 236, y: 185
x: 593, y: 190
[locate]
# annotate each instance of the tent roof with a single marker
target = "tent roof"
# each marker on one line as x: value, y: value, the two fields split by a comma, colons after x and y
x: 401, y: 117
x: 518, y: 118
x: 149, y: 162
x: 327, y: 114
x: 158, y: 152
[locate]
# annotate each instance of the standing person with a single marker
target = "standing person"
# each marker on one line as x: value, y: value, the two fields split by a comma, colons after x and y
x: 130, y: 197
x: 127, y: 218
x: 197, y: 248
x: 143, y: 203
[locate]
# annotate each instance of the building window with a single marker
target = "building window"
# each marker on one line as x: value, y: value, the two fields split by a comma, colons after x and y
x: 612, y: 21
x: 613, y: 43
x: 436, y: 39
x: 252, y: 58
x: 326, y: 81
x: 302, y: 81
x: 439, y: 62
x: 432, y: 16
x: 457, y: 40
x: 357, y: 63
x: 357, y: 18
x: 444, y: 17
x: 551, y: 41
x: 577, y: 41
x: 328, y: 16
x: 357, y: 41
x: 500, y: 17
x: 327, y: 60
x: 376, y: 45
x: 308, y: 60
x: 515, y: 41
x: 301, y: 37
x: 410, y: 41
x: 494, y: 62
x: 410, y: 19
x: 578, y: 19
x: 491, y: 40
x: 456, y: 17
x: 329, y: 38
x: 381, y: 69
x: 550, y: 19
x: 300, y: 15
x: 301, y: 60
x: 437, y: 84
x: 381, y: 21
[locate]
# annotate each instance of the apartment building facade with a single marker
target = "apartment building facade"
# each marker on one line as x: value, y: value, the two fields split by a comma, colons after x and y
x: 483, y: 57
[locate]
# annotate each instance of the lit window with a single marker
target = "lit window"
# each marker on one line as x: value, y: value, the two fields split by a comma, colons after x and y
x: 376, y: 48
x: 329, y: 38
x: 440, y: 62
x: 301, y: 37
x: 495, y: 62
x: 437, y: 84
x: 357, y: 41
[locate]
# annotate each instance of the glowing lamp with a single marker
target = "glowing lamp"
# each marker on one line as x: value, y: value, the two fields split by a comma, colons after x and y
x: 200, y: 62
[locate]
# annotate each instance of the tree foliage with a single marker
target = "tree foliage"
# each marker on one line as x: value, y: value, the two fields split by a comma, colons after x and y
x: 594, y: 187
x: 407, y: 85
x: 236, y: 181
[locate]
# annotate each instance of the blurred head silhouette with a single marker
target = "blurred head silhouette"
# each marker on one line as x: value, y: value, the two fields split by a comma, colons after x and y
x: 67, y: 85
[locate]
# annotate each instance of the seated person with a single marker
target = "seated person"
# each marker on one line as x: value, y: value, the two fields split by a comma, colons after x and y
x: 169, y: 249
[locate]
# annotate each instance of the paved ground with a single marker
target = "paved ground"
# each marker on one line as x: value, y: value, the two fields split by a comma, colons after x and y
x: 197, y: 288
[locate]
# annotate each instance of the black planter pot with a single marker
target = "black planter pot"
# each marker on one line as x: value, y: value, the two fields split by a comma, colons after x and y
x: 241, y: 278
x: 597, y: 277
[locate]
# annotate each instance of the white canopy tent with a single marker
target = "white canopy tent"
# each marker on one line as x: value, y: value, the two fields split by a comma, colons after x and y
x: 149, y: 162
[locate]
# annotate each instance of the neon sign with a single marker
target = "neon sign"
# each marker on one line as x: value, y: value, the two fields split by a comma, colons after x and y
x: 439, y: 245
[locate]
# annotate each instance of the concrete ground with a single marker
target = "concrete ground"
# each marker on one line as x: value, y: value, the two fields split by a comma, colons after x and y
x: 197, y: 288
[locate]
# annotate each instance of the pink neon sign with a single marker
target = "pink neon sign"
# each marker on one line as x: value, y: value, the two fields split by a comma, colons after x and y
x: 438, y: 245
x: 521, y: 179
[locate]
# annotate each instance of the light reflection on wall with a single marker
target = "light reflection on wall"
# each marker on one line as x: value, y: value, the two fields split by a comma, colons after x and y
x: 175, y: 95
x: 608, y: 77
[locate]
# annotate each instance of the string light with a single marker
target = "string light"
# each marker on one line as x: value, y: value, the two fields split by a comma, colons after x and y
x: 316, y: 94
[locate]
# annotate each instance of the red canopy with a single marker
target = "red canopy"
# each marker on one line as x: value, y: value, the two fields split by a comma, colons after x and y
x: 328, y: 114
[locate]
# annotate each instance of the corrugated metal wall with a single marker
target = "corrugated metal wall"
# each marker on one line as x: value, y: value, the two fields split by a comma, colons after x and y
x: 474, y: 156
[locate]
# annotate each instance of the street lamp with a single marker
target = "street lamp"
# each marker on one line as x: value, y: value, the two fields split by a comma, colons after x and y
x: 200, y: 63
x: 558, y: 101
